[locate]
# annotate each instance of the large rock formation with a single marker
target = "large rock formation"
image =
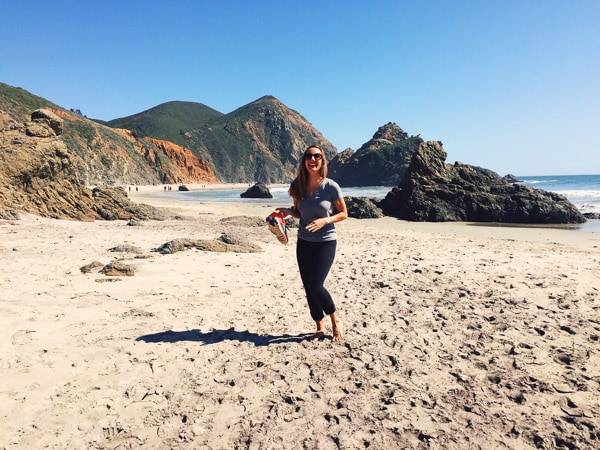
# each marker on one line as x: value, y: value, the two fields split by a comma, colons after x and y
x: 435, y: 191
x: 362, y: 208
x: 259, y: 190
x: 48, y: 155
x: 261, y: 141
x: 382, y: 161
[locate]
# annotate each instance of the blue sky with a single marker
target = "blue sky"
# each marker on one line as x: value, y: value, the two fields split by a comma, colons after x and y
x: 509, y: 85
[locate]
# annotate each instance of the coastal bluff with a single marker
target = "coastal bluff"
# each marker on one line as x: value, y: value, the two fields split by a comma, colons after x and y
x: 49, y: 156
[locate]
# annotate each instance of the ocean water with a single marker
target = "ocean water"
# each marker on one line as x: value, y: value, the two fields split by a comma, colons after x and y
x: 279, y: 192
x: 582, y: 190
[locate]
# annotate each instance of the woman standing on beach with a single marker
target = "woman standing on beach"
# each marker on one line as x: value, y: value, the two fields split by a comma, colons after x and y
x: 316, y: 199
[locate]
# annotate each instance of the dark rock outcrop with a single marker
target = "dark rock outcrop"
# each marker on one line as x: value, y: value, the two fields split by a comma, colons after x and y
x: 435, y: 191
x: 382, y: 161
x: 362, y: 208
x: 259, y: 190
x: 183, y: 188
x: 510, y: 178
x: 591, y: 215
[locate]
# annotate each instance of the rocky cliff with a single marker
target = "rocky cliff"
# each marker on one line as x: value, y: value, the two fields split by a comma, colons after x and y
x: 261, y: 141
x: 382, y: 161
x: 48, y: 155
x: 435, y: 191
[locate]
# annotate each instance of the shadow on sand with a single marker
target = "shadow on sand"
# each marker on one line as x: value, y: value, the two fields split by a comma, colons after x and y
x: 217, y: 336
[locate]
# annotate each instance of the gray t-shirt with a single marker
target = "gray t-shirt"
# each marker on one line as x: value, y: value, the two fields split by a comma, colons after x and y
x: 316, y: 206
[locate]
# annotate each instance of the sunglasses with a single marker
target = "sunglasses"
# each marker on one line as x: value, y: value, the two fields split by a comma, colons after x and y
x: 315, y: 156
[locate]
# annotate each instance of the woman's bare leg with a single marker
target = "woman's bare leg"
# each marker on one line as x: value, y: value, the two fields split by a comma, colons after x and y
x: 337, y: 328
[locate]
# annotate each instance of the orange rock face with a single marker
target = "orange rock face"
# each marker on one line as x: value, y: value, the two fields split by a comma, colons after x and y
x: 187, y: 166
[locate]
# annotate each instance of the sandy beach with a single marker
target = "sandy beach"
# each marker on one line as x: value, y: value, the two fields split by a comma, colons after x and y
x: 456, y: 336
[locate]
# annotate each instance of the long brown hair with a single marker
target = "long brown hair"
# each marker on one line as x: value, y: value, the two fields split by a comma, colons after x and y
x: 298, y: 187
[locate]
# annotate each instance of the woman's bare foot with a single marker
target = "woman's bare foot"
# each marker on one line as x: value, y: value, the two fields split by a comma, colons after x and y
x: 337, y: 328
x: 320, y: 328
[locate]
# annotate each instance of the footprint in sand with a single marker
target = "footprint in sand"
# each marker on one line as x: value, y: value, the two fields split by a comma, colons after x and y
x: 22, y: 337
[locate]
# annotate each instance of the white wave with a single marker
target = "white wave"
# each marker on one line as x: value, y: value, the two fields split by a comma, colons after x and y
x: 579, y: 194
x: 538, y: 181
x: 589, y: 207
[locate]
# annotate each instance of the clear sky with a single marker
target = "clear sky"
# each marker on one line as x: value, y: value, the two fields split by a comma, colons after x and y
x: 509, y: 85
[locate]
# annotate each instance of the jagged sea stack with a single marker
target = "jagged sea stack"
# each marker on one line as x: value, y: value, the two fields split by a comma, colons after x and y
x: 382, y: 161
x: 436, y: 192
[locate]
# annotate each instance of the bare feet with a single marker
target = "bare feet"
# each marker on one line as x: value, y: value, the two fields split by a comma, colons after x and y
x: 320, y: 329
x: 337, y: 328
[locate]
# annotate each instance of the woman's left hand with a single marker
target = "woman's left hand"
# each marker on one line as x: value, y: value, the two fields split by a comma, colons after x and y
x: 316, y: 225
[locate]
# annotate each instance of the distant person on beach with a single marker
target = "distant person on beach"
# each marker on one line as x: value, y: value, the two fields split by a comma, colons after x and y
x: 318, y: 203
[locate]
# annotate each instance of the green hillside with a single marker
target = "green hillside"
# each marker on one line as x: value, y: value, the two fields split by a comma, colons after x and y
x: 260, y: 141
x: 168, y: 120
x: 19, y: 102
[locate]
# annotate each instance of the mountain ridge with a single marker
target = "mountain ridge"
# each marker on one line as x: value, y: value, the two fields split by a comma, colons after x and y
x: 262, y: 140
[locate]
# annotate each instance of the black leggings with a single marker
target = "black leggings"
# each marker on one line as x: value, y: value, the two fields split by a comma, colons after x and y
x: 315, y: 260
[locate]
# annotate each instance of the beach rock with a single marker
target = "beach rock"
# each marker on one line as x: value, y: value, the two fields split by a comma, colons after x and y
x: 259, y: 190
x: 382, y: 161
x: 118, y: 269
x: 46, y: 116
x: 243, y: 221
x: 230, y: 238
x: 93, y: 266
x: 362, y: 208
x: 134, y: 223
x: 125, y: 248
x: 225, y: 243
x: 176, y: 245
x: 183, y: 188
x: 591, y: 215
x: 112, y: 203
x: 435, y: 191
